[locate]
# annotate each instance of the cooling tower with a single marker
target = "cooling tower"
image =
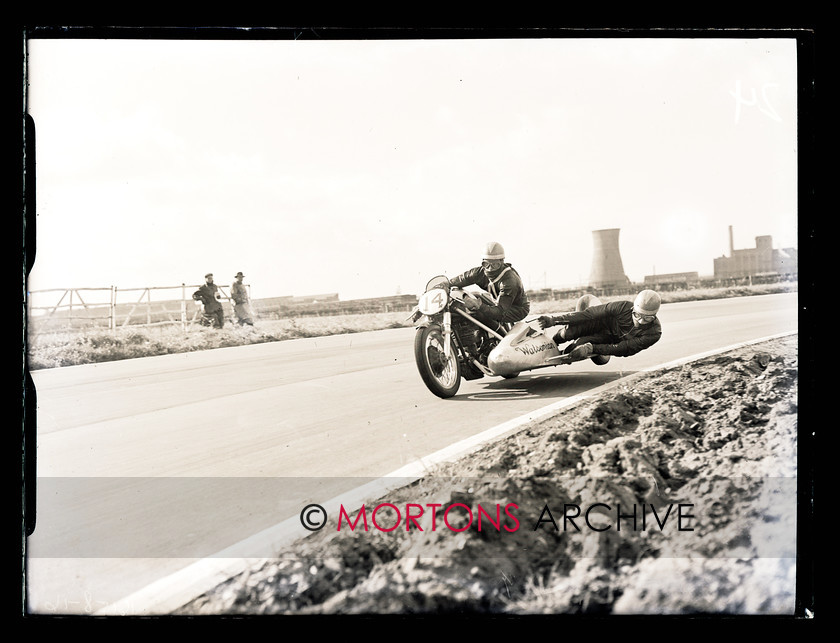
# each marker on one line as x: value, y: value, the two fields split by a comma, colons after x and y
x: 607, y: 269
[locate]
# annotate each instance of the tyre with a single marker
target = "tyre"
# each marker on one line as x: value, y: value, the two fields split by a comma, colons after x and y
x: 441, y: 376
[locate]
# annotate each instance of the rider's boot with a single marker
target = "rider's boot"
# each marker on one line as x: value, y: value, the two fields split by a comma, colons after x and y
x: 488, y: 343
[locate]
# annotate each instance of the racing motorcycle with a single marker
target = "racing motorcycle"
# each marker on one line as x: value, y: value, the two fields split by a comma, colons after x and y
x: 450, y: 343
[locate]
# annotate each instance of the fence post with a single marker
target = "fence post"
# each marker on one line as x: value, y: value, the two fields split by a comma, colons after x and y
x: 184, y: 307
x: 112, y: 310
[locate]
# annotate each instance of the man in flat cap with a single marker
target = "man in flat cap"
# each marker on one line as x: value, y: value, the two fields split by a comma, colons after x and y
x: 241, y: 301
x: 210, y: 297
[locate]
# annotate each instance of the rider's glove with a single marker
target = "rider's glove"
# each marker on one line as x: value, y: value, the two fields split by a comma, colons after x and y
x: 545, y: 321
x: 581, y: 352
x: 472, y: 304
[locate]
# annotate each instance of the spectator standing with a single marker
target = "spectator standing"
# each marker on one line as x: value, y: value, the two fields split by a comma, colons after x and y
x: 241, y: 301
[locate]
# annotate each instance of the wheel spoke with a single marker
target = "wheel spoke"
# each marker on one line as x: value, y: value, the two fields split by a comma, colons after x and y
x: 447, y: 370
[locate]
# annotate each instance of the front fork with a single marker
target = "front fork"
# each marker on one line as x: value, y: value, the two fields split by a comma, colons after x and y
x: 447, y: 334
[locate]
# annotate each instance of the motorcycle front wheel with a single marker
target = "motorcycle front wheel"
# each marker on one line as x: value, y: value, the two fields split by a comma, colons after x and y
x: 441, y: 376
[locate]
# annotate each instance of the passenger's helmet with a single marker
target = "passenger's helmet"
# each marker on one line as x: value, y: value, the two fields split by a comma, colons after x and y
x: 493, y: 251
x: 647, y: 303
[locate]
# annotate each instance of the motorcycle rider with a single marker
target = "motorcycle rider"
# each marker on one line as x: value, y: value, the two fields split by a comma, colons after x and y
x: 505, y: 287
x: 619, y: 328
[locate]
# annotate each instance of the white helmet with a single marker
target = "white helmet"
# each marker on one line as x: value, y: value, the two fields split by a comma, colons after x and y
x: 647, y: 303
x: 493, y: 250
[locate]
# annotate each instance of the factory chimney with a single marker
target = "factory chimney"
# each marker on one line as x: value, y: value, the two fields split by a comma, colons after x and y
x: 607, y: 268
x: 731, y: 243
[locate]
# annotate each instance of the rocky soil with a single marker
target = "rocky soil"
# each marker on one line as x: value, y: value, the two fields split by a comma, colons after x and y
x: 672, y: 493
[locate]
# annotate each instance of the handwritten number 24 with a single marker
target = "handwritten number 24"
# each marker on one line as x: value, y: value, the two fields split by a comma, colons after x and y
x: 752, y: 101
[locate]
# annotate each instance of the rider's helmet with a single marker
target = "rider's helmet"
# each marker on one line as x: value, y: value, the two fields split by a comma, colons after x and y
x: 492, y: 260
x: 493, y: 251
x: 646, y: 305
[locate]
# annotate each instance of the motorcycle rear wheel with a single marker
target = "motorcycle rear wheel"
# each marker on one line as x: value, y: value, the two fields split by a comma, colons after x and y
x: 440, y: 375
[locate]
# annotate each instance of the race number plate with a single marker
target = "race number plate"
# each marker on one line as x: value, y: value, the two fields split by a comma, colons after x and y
x: 433, y: 301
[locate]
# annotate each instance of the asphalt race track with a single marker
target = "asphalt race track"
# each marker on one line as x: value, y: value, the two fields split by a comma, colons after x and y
x: 147, y: 466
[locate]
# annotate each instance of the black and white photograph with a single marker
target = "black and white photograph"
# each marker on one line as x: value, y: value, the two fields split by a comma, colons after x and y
x: 325, y: 322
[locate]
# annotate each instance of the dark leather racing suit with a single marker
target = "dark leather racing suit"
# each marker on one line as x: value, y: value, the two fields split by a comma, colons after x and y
x: 506, y: 289
x: 610, y: 329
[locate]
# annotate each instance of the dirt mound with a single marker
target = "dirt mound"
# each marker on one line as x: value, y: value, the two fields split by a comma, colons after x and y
x: 673, y: 493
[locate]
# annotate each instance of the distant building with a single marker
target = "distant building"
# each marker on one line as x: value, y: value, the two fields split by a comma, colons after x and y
x: 672, y: 279
x: 755, y: 262
x: 290, y: 300
x: 329, y: 304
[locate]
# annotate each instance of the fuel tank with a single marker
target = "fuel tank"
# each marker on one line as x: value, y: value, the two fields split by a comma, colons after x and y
x: 522, y: 349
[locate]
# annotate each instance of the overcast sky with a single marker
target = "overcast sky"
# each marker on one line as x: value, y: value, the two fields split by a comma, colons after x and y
x: 365, y: 167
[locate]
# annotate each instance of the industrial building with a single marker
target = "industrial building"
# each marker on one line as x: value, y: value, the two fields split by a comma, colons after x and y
x: 672, y: 280
x: 607, y: 268
x: 761, y: 261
